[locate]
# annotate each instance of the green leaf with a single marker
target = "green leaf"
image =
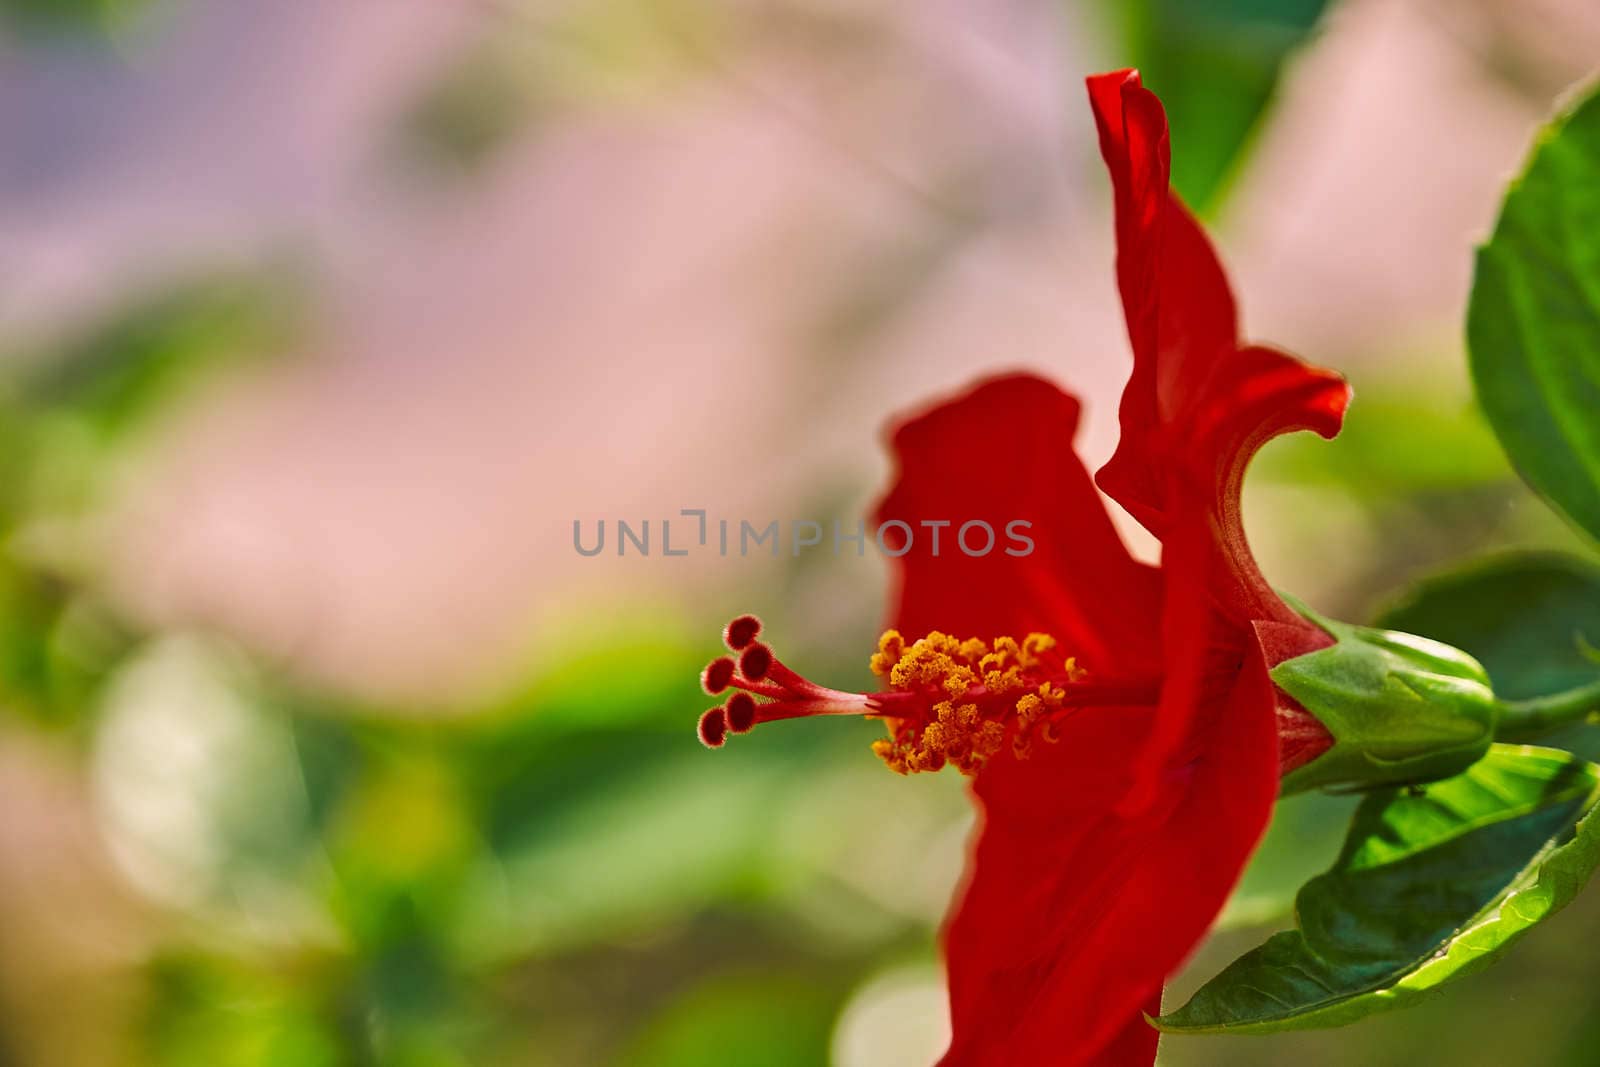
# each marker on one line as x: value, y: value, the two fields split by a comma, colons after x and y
x: 1432, y: 885
x: 1533, y: 326
x: 1216, y: 66
x: 1532, y: 619
x: 1302, y: 838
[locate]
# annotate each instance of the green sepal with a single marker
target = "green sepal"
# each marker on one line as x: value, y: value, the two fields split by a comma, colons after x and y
x: 1402, y: 709
x: 1433, y: 884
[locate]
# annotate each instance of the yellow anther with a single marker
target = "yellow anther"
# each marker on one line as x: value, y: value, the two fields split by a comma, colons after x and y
x: 1009, y: 680
x: 920, y: 665
x: 890, y: 647
x: 988, y: 738
x: 958, y: 681
x: 979, y: 694
x: 1034, y: 646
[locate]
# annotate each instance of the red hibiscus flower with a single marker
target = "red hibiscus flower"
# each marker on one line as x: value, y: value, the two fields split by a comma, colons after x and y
x: 1124, y: 736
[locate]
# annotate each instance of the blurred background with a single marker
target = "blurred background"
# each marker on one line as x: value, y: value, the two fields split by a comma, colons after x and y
x: 321, y: 324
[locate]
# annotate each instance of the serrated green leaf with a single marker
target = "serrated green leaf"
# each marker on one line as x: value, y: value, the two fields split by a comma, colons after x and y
x: 1531, y: 618
x: 1533, y: 326
x: 1432, y: 885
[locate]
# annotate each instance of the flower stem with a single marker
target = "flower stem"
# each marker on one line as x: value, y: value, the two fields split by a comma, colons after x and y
x: 1526, y: 720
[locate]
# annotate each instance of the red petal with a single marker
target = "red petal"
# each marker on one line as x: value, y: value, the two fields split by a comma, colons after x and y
x: 1074, y: 914
x: 1266, y: 393
x: 1197, y: 405
x: 1002, y: 453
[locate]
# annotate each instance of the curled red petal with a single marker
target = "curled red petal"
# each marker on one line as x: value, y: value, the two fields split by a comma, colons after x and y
x: 1001, y: 454
x: 1271, y: 393
x: 1198, y: 404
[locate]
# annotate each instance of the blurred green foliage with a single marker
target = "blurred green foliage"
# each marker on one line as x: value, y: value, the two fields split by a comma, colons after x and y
x: 141, y: 358
x: 530, y: 61
x: 1216, y: 66
x: 471, y: 110
x: 70, y: 16
x: 783, y: 1021
x: 70, y: 409
x: 391, y: 881
x: 386, y: 886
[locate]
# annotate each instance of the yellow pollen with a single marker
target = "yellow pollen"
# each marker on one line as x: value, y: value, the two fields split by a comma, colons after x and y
x: 1036, y: 645
x: 973, y: 649
x: 1009, y: 680
x: 890, y: 645
x: 979, y: 694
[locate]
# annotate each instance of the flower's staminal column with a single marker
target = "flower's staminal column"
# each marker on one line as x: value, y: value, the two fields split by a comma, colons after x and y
x: 947, y: 702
